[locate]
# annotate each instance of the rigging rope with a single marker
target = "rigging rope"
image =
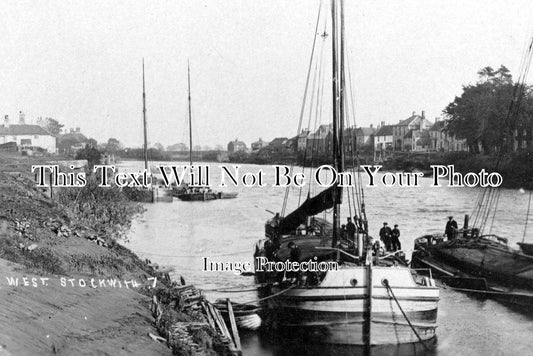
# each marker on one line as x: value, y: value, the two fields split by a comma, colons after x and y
x: 304, y: 99
x: 527, y: 217
x: 271, y: 296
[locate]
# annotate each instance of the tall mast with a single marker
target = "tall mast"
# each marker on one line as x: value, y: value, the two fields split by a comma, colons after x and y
x: 335, y: 93
x: 145, y: 147
x: 342, y: 101
x: 190, y: 120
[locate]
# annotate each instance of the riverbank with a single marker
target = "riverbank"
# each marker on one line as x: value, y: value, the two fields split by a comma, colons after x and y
x: 66, y: 285
x: 516, y: 168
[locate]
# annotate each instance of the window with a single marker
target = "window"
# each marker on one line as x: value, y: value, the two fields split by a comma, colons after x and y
x: 25, y: 142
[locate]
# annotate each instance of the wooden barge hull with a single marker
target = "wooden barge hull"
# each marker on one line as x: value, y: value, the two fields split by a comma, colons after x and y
x: 492, y: 262
x: 334, y: 313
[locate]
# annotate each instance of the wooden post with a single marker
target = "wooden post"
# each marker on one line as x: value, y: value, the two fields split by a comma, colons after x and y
x: 465, y: 226
x: 233, y: 324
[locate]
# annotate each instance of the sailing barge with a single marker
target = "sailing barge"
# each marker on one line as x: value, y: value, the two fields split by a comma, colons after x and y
x: 479, y: 264
x: 189, y: 193
x: 369, y: 299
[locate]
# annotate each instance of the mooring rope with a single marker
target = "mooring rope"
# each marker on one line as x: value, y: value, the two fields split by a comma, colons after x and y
x: 389, y: 289
x: 271, y: 296
x: 190, y: 256
x: 233, y: 289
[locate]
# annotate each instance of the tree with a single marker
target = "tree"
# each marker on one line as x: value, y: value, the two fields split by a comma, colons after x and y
x: 159, y: 146
x: 91, y: 154
x: 53, y: 126
x: 481, y: 114
x: 113, y: 145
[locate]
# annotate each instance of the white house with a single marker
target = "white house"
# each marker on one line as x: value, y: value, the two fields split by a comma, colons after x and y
x: 383, y: 139
x: 27, y: 136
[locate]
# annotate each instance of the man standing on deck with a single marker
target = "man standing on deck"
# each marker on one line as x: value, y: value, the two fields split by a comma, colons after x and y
x: 451, y: 228
x: 350, y: 230
x: 294, y: 256
x: 395, y: 238
x: 385, y: 236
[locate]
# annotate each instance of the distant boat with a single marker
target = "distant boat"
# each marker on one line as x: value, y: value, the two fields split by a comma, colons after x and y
x: 157, y: 192
x: 186, y: 192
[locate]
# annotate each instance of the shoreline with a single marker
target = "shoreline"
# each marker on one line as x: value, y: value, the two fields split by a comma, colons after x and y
x: 77, y: 288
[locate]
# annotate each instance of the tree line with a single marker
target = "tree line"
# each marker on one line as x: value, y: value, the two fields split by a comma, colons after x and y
x: 481, y: 115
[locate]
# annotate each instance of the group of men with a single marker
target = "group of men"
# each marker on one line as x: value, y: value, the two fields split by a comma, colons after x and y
x: 390, y: 237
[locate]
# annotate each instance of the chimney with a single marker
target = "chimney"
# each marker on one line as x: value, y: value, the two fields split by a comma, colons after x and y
x: 371, y: 126
x: 22, y: 118
x: 382, y: 123
x: 414, y: 113
x: 423, y: 114
x: 6, y: 120
x: 436, y: 119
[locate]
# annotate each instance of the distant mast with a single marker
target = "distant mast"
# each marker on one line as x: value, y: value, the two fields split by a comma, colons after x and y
x: 145, y: 147
x: 190, y: 119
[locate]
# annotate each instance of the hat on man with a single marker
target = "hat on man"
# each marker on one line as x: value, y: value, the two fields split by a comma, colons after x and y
x: 384, y: 223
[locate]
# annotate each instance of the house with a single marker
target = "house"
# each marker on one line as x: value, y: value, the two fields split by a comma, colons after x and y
x: 278, y: 142
x: 441, y: 140
x: 302, y: 139
x: 383, y: 139
x: 349, y: 140
x: 321, y: 140
x: 236, y: 146
x: 364, y: 136
x: 292, y: 144
x: 27, y: 136
x: 406, y: 133
x: 257, y: 145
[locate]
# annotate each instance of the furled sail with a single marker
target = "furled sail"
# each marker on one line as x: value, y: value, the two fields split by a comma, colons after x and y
x: 310, y: 207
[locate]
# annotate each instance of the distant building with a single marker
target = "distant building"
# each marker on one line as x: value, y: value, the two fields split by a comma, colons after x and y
x: 407, y: 132
x: 364, y: 136
x: 292, y: 144
x: 278, y: 142
x: 302, y: 139
x: 441, y: 140
x: 236, y: 146
x: 348, y: 141
x: 383, y: 139
x: 321, y: 140
x: 27, y: 136
x: 257, y: 145
x: 522, y: 138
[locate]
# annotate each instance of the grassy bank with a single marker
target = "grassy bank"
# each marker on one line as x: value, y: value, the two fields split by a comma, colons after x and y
x: 66, y: 285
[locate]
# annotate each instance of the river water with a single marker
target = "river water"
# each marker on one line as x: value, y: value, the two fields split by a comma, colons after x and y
x: 182, y: 234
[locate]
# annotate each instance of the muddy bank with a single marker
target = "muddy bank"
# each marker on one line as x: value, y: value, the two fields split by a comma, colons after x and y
x: 66, y: 285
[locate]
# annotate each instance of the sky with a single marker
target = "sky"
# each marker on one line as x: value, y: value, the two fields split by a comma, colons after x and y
x: 80, y: 62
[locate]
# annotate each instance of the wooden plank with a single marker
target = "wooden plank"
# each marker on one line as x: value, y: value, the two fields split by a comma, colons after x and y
x: 217, y: 321
x: 233, y: 324
x: 209, y: 317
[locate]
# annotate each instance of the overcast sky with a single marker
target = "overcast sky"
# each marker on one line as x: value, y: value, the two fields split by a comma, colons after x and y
x: 80, y: 61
